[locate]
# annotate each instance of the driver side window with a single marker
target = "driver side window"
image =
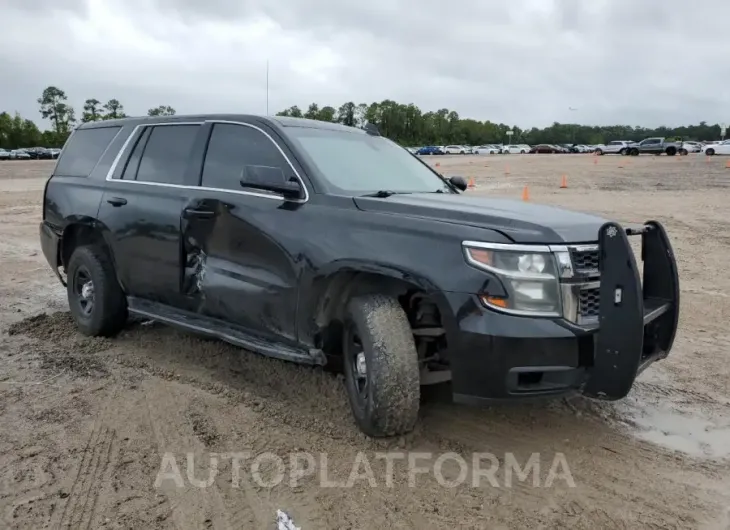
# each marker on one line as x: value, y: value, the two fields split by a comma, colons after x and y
x: 232, y: 150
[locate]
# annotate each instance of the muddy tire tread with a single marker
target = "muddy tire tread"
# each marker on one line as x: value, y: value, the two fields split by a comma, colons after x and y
x: 393, y: 367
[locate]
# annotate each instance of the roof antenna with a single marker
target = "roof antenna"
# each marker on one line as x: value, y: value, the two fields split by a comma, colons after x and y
x: 371, y: 129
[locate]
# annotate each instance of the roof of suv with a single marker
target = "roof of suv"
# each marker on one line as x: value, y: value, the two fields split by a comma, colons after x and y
x: 281, y: 121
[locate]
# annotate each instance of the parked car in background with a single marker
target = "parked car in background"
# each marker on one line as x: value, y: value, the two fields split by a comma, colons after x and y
x: 514, y: 149
x: 546, y: 148
x: 581, y: 148
x: 723, y: 148
x: 39, y: 153
x: 54, y: 152
x: 655, y: 146
x: 487, y: 149
x: 19, y: 154
x: 4, y: 155
x: 455, y: 150
x: 690, y: 147
x: 616, y: 147
x: 430, y: 150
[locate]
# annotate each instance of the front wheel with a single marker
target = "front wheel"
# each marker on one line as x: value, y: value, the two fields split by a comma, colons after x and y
x: 710, y: 152
x: 671, y: 151
x: 683, y: 152
x: 622, y: 151
x: 634, y: 152
x: 381, y: 366
x: 598, y: 152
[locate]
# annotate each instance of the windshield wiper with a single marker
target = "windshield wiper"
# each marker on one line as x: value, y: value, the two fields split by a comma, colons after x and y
x: 383, y: 194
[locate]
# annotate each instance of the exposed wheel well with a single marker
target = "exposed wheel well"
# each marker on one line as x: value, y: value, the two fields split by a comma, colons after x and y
x: 422, y: 312
x: 76, y: 235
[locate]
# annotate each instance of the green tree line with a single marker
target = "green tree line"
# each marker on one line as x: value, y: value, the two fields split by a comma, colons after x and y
x: 17, y: 131
x: 405, y: 123
x: 410, y: 126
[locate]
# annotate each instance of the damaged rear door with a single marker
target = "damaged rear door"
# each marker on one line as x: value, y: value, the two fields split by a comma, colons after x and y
x: 237, y: 260
x: 141, y: 207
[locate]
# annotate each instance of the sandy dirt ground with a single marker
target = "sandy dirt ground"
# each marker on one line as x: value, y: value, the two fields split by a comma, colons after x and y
x: 85, y: 423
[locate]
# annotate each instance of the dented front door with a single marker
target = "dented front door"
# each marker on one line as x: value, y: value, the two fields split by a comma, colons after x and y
x: 235, y: 264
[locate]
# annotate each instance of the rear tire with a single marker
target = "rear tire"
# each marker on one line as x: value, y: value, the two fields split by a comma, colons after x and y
x: 671, y: 151
x: 634, y: 152
x: 598, y: 152
x: 381, y: 366
x: 710, y: 152
x: 622, y: 151
x: 97, y: 303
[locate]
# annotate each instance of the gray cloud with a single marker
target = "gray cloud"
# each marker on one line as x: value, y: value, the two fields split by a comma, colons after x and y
x: 521, y: 62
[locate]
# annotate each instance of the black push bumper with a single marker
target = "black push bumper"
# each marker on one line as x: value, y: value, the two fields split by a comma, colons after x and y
x: 498, y: 356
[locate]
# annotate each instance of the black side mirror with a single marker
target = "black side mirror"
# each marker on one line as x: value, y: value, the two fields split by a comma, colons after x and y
x: 458, y: 182
x: 269, y: 178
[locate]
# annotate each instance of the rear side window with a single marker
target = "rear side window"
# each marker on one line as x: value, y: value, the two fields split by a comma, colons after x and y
x: 165, y: 156
x: 84, y: 150
x: 231, y: 149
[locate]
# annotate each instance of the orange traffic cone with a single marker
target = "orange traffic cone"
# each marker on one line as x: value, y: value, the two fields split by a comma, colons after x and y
x: 707, y: 160
x: 564, y: 182
x: 595, y: 160
x: 525, y: 194
x: 438, y: 164
x: 506, y: 169
x: 472, y: 184
x: 727, y: 164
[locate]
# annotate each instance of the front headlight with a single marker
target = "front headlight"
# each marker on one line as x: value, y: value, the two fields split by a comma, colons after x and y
x: 530, y: 278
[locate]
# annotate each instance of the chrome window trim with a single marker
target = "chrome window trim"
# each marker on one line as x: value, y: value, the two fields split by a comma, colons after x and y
x: 133, y: 134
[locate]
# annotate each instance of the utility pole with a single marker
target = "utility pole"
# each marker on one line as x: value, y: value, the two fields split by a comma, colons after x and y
x: 572, y: 125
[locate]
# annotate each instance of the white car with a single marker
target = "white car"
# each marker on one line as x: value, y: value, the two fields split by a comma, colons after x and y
x: 19, y: 154
x: 617, y: 147
x: 514, y: 149
x: 455, y: 150
x: 690, y: 147
x: 723, y: 148
x: 487, y: 150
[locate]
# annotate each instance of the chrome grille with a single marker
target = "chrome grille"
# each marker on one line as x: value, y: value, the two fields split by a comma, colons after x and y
x: 588, y: 302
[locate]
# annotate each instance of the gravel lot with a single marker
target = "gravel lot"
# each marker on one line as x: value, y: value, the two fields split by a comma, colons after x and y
x: 84, y: 423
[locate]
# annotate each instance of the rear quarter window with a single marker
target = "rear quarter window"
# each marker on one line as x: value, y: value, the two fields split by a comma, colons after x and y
x: 84, y: 150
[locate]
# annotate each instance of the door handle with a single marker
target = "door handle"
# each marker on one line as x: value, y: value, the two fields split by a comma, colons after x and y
x: 200, y: 214
x: 117, y: 201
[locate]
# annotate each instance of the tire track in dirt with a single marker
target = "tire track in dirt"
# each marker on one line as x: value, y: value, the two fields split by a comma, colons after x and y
x: 96, y: 458
x: 193, y: 508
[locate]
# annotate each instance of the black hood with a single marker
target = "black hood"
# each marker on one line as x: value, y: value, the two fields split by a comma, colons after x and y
x: 523, y: 222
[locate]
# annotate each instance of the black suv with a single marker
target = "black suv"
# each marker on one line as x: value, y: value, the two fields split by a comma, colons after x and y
x: 324, y: 244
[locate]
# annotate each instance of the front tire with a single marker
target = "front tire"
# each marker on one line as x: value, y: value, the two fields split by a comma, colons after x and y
x: 381, y: 366
x: 710, y: 152
x: 97, y: 303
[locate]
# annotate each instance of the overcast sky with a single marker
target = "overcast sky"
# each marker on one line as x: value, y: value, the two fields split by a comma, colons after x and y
x: 521, y: 62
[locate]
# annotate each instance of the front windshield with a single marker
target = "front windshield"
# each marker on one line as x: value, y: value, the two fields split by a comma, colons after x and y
x: 356, y: 164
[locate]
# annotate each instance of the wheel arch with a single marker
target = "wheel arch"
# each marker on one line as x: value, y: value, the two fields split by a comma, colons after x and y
x: 329, y: 292
x: 84, y: 231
